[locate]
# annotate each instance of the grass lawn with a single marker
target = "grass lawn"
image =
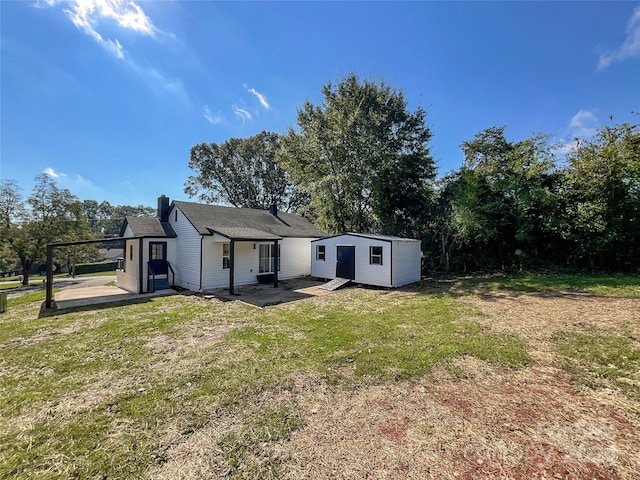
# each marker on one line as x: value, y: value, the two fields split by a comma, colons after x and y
x: 422, y: 382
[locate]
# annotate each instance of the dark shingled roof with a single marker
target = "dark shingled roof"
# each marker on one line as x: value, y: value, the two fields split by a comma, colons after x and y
x: 247, y: 223
x: 147, y: 227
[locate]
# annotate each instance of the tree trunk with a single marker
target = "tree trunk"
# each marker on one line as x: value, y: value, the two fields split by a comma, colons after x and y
x: 26, y: 266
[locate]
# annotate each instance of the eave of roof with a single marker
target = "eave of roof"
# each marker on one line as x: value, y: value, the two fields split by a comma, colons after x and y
x: 245, y: 234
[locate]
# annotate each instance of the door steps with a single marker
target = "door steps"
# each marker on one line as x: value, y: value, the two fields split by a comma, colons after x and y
x: 162, y: 284
x: 335, y: 284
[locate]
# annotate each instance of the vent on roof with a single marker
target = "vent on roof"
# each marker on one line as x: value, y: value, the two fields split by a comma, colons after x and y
x: 273, y: 209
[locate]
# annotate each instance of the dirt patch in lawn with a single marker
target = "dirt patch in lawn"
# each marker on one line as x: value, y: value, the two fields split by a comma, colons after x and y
x: 468, y: 419
x: 493, y: 424
x: 536, y: 317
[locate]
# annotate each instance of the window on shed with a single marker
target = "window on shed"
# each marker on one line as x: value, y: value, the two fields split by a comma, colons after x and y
x: 375, y: 255
x: 320, y: 252
x: 226, y: 255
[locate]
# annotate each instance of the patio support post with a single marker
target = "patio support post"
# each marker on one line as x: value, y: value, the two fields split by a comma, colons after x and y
x: 276, y: 262
x: 232, y: 254
x: 49, y: 299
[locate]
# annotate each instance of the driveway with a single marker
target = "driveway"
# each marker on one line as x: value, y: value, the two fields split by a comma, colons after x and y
x: 63, y: 283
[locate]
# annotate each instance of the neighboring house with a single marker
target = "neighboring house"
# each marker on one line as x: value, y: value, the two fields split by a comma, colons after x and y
x: 205, y: 247
x: 108, y: 253
x: 367, y: 258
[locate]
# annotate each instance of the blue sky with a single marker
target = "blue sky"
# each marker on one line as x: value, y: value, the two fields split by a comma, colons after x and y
x: 109, y: 95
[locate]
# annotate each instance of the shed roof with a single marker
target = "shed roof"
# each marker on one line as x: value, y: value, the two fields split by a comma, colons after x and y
x: 246, y: 223
x: 147, y: 227
x: 374, y: 236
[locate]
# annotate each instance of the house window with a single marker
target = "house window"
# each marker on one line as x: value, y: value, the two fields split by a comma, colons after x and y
x: 226, y: 255
x: 375, y: 255
x: 320, y: 252
x: 175, y: 215
x: 157, y: 251
x: 266, y: 259
x: 130, y: 252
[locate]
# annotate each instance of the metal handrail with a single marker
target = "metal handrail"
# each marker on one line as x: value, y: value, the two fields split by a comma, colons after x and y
x: 151, y: 278
x: 173, y: 273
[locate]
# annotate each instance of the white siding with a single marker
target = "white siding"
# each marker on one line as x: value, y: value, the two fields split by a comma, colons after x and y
x: 128, y: 279
x: 295, y: 257
x: 187, y: 252
x: 379, y: 275
x: 294, y: 261
x: 324, y: 268
x: 406, y: 262
x: 372, y: 274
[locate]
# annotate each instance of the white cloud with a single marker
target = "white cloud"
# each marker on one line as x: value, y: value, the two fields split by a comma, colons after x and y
x: 242, y: 114
x: 583, y: 124
x: 211, y: 118
x: 261, y: 98
x: 630, y: 47
x: 52, y: 173
x: 87, y: 15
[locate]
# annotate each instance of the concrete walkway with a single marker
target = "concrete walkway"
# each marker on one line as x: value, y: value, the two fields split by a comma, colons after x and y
x: 96, y: 295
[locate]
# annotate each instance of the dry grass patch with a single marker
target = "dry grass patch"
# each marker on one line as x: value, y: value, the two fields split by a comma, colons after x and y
x: 494, y: 424
x: 535, y: 318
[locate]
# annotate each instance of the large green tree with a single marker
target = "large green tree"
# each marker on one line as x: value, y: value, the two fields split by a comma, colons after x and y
x: 363, y: 157
x: 503, y: 207
x: 603, y: 199
x: 105, y: 220
x: 243, y: 172
x: 50, y: 214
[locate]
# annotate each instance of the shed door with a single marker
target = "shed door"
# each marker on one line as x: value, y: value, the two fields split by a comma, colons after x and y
x: 346, y: 263
x: 158, y: 257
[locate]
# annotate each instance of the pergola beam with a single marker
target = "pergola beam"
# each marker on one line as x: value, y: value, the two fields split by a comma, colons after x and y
x: 51, y: 246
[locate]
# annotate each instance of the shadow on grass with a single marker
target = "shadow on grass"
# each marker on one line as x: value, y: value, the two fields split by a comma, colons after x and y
x: 49, y: 312
x: 547, y: 285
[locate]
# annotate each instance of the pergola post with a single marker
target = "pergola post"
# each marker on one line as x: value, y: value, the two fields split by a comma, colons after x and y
x: 231, y: 265
x: 49, y: 300
x: 276, y: 262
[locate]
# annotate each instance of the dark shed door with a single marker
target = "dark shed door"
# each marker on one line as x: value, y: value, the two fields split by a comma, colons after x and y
x: 346, y: 264
x: 158, y: 257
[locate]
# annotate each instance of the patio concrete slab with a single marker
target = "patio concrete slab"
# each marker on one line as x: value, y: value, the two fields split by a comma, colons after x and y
x: 96, y: 295
x: 266, y: 295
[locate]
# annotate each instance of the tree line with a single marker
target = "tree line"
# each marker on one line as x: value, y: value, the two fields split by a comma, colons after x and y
x: 52, y: 214
x: 360, y: 161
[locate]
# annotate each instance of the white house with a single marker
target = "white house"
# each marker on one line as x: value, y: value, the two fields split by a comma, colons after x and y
x: 203, y: 247
x: 371, y: 259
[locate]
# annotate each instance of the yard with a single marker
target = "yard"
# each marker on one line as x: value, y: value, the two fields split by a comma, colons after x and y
x: 500, y: 377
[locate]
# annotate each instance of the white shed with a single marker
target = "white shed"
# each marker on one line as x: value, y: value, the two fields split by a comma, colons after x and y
x: 371, y: 259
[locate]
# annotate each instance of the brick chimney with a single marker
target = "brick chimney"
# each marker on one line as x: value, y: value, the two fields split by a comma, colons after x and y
x: 163, y: 208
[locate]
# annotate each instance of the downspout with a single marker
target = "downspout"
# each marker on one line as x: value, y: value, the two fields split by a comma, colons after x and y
x: 391, y: 262
x: 232, y: 254
x: 201, y: 262
x: 276, y: 262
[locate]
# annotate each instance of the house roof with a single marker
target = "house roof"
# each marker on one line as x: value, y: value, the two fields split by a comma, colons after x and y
x: 246, y: 223
x: 147, y: 227
x: 375, y: 236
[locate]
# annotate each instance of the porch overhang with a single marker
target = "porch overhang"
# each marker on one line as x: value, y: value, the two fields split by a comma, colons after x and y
x: 241, y: 234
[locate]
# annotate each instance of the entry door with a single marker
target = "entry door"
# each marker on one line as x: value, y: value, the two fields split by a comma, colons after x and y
x: 346, y: 265
x: 158, y: 257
